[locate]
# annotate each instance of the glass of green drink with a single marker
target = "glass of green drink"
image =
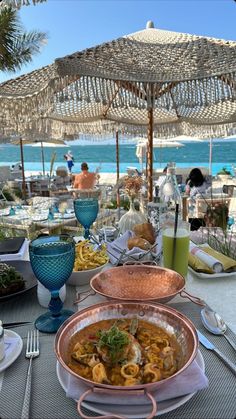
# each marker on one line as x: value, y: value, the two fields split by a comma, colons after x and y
x: 176, y: 259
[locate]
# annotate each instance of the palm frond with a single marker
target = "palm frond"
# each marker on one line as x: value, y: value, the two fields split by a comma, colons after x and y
x: 16, y: 46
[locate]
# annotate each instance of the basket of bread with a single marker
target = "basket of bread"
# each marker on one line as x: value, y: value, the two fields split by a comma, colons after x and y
x: 138, y: 244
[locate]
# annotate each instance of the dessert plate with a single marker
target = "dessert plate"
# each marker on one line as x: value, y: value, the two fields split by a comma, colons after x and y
x: 14, y: 353
x: 131, y: 411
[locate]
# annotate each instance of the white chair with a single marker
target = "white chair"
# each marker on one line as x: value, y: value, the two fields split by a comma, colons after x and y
x: 232, y: 205
x: 5, y: 172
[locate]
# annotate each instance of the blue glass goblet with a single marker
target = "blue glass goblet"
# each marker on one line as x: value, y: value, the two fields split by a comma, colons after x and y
x: 52, y: 260
x: 230, y: 222
x: 86, y: 211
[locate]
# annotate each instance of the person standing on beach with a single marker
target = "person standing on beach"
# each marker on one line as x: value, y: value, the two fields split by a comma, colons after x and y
x: 70, y: 160
x: 196, y: 185
x: 85, y: 179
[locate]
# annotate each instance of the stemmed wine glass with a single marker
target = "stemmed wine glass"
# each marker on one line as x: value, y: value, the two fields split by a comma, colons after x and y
x: 52, y: 260
x: 230, y: 222
x: 86, y: 211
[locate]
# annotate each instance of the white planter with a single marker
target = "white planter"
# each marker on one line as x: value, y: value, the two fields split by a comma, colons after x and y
x: 224, y: 178
x: 130, y: 218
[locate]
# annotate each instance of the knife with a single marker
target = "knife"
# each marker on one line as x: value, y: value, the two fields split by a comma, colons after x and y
x: 208, y: 345
x: 14, y: 324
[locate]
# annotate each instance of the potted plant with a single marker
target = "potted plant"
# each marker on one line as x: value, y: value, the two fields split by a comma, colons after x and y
x: 224, y: 174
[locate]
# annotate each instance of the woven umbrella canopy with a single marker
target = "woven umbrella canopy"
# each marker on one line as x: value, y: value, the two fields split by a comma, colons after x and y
x: 152, y: 82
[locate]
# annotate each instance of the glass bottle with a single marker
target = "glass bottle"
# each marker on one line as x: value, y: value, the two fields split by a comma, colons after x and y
x: 50, y: 214
x: 2, y: 349
x: 155, y: 209
x: 170, y: 193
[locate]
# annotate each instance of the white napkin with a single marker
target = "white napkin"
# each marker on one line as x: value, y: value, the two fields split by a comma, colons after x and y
x: 16, y: 256
x: 10, y: 344
x: 209, y: 260
x: 115, y: 248
x: 189, y: 381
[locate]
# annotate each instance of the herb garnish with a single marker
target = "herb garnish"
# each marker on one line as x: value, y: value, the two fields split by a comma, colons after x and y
x: 8, y: 274
x: 115, y: 340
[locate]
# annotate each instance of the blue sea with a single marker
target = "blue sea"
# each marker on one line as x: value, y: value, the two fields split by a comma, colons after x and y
x: 104, y: 156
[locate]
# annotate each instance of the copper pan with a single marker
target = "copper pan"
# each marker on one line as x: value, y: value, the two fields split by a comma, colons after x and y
x: 139, y: 283
x: 168, y: 318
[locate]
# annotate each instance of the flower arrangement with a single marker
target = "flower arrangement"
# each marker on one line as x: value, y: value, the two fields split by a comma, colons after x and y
x: 132, y: 185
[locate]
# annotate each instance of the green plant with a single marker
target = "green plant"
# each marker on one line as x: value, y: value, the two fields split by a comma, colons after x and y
x: 17, y: 45
x: 224, y: 171
x: 12, y: 194
x: 217, y: 215
x: 221, y: 240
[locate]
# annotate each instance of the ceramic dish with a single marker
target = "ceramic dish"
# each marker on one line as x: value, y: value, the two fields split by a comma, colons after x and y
x: 132, y: 411
x: 4, y: 212
x: 24, y: 268
x: 39, y: 218
x: 13, y: 355
x: 203, y: 275
x: 68, y: 215
x: 78, y: 278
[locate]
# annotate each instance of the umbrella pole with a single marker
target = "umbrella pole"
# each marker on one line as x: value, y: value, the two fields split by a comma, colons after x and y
x: 117, y: 174
x: 22, y: 168
x: 150, y: 154
x: 210, y: 157
x: 43, y: 162
x: 117, y: 157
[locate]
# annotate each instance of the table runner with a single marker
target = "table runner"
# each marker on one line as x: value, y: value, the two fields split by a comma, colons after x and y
x: 49, y: 400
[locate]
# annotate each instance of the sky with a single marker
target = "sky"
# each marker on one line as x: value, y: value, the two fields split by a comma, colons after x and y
x: 74, y: 25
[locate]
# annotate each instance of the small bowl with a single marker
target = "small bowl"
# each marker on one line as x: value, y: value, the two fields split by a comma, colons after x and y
x: 78, y: 278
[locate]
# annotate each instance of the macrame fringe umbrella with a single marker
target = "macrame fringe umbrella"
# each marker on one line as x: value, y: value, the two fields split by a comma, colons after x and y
x: 152, y: 82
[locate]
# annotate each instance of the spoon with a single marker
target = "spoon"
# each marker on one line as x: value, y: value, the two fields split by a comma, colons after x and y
x: 215, y: 324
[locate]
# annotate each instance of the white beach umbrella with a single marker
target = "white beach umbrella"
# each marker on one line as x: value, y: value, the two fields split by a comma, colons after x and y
x: 46, y: 144
x: 32, y: 140
x: 142, y: 145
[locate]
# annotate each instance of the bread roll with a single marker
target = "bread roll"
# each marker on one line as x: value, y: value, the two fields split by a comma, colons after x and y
x: 138, y: 242
x: 145, y: 231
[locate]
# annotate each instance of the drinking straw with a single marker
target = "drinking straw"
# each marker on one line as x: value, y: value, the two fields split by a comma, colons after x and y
x: 175, y: 231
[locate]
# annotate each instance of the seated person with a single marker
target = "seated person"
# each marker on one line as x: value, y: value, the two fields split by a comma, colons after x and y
x: 85, y: 179
x: 195, y: 185
x: 16, y: 167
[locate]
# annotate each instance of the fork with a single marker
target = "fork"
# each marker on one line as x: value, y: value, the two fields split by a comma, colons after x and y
x: 32, y: 351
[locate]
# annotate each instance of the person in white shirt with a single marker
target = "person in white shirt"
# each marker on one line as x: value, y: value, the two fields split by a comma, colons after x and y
x: 195, y: 185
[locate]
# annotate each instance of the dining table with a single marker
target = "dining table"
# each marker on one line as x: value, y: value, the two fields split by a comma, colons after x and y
x: 49, y: 400
x: 30, y: 219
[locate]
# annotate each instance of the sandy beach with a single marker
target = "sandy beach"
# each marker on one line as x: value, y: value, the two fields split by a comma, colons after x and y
x: 105, y: 178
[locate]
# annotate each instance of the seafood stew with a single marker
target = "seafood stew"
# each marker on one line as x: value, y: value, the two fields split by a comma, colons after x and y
x: 124, y: 352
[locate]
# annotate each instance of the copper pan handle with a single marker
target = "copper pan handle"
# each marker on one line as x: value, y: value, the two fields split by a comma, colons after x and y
x: 138, y: 262
x: 85, y: 295
x: 112, y: 392
x: 193, y: 298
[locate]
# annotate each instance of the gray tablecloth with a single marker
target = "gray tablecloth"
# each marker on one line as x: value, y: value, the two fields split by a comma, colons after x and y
x: 49, y: 400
